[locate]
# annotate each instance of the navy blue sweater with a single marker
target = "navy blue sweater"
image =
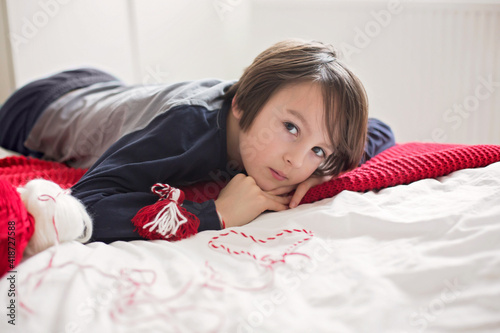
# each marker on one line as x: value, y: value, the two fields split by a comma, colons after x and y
x: 180, y: 147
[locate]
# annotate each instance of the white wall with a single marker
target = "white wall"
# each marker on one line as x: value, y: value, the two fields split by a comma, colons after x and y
x: 52, y: 35
x: 431, y: 69
x: 6, y: 71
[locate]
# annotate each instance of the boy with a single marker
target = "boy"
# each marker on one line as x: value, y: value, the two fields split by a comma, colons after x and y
x: 296, y: 118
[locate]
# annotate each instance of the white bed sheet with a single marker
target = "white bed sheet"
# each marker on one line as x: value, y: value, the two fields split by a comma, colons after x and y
x: 424, y: 257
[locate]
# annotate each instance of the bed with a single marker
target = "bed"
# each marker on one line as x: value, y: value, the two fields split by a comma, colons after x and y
x: 417, y: 257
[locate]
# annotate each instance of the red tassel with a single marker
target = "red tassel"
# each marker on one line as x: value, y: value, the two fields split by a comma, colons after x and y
x: 166, y: 219
x: 16, y: 227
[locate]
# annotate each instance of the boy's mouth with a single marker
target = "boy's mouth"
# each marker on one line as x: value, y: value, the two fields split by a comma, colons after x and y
x: 277, y: 175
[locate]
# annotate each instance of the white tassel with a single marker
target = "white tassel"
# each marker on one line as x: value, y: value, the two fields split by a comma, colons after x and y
x: 59, y: 217
x: 170, y: 218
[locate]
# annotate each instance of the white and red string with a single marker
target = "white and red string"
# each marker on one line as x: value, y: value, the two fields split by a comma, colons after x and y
x: 265, y: 260
x: 134, y: 292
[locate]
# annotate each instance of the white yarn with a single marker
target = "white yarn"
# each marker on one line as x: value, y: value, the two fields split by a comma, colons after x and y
x: 170, y: 218
x: 49, y: 204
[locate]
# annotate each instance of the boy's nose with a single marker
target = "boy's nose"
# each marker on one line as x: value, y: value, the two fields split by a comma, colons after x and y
x: 295, y: 158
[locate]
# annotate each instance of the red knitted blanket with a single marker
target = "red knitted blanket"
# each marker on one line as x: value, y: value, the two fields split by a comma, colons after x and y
x: 18, y: 170
x: 401, y: 164
x: 406, y: 163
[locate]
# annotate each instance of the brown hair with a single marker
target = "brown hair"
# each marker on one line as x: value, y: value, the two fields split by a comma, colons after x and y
x: 346, y: 104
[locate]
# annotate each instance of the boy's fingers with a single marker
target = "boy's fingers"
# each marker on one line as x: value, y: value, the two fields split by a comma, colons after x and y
x: 277, y: 206
x: 299, y: 194
x: 280, y: 199
x: 276, y: 203
x: 305, y: 186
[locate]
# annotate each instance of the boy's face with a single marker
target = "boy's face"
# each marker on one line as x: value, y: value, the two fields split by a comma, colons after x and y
x: 287, y: 140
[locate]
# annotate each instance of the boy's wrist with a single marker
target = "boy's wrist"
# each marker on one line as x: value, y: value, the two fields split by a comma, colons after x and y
x: 222, y: 223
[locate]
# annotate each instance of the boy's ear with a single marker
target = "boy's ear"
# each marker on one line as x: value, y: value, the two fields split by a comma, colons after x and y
x: 237, y: 112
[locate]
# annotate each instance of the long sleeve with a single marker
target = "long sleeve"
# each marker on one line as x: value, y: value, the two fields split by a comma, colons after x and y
x: 179, y: 147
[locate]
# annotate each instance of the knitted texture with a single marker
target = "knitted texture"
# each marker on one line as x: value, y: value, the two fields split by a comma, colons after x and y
x: 18, y: 170
x: 406, y: 163
x: 16, y: 227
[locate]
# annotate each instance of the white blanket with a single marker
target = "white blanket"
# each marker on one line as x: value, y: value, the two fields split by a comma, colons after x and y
x: 423, y: 257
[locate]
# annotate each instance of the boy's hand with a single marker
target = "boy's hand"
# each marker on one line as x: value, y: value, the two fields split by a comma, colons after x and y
x: 300, y: 189
x: 242, y: 200
x: 303, y: 187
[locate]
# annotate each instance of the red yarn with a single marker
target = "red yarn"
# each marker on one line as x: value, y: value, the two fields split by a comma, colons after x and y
x: 151, y: 213
x: 16, y: 227
x: 18, y: 170
x: 266, y: 260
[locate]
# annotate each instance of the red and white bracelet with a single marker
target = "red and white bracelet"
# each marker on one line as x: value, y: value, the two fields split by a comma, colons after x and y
x: 222, y: 223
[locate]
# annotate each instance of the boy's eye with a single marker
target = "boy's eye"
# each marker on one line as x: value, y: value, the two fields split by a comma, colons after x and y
x: 291, y: 128
x: 319, y: 152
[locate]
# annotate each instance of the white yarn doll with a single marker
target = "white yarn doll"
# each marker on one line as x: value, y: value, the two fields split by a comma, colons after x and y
x: 59, y: 217
x: 37, y: 216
